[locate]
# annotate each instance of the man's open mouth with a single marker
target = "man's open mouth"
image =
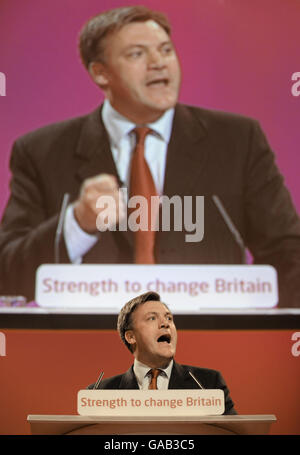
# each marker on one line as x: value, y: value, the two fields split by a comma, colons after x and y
x: 158, y: 82
x: 164, y: 339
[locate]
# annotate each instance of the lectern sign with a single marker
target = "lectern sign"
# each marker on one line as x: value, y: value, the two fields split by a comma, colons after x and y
x: 146, y: 403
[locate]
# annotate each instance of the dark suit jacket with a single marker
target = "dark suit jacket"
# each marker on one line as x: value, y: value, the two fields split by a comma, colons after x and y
x: 209, y: 153
x: 180, y: 379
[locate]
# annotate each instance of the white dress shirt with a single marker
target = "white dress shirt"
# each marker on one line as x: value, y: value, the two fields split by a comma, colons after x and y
x: 143, y: 376
x: 122, y: 142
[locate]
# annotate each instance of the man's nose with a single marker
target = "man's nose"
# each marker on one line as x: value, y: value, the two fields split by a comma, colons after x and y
x: 155, y: 60
x: 165, y: 323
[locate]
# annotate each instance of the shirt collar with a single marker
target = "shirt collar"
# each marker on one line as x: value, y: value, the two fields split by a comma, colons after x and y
x: 118, y: 126
x: 141, y: 370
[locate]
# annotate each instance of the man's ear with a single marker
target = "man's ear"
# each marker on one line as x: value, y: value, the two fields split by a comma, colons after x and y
x: 129, y: 337
x: 99, y: 74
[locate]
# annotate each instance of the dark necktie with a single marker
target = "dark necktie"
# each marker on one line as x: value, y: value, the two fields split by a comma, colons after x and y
x: 142, y: 184
x: 153, y: 384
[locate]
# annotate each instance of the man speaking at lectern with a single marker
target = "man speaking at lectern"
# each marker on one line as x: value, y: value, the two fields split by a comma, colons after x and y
x: 147, y: 328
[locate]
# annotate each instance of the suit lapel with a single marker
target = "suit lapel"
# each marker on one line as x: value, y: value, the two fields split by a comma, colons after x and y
x: 187, y: 155
x: 128, y: 380
x: 94, y: 151
x: 180, y: 378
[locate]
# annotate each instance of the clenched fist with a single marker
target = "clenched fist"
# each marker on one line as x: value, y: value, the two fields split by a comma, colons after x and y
x: 99, y: 206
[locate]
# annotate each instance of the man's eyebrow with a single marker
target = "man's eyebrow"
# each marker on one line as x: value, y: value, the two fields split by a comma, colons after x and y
x: 143, y: 45
x: 167, y: 313
x: 151, y: 312
x: 132, y: 46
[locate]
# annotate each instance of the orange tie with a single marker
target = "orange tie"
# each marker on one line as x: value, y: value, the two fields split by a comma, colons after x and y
x: 142, y: 184
x: 153, y: 383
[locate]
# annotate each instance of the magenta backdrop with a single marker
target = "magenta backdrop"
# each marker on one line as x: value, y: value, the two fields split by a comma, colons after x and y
x: 236, y: 56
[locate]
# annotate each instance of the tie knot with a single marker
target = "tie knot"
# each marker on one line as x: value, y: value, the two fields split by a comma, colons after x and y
x: 154, y: 373
x: 141, y: 133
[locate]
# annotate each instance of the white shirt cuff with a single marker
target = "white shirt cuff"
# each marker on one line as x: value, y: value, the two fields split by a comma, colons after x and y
x: 78, y: 242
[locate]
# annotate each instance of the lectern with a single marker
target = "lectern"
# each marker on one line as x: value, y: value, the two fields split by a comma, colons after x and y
x: 175, y: 425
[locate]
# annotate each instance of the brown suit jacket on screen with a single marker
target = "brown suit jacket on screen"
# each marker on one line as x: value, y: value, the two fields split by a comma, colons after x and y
x: 210, y: 153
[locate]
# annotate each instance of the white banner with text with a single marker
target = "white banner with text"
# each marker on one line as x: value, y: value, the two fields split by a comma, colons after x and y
x: 184, y: 288
x: 149, y: 403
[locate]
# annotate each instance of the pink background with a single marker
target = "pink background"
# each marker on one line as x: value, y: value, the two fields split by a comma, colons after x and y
x: 236, y: 56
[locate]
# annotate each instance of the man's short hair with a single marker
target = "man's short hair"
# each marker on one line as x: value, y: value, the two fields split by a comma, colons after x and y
x: 125, y: 315
x: 93, y: 34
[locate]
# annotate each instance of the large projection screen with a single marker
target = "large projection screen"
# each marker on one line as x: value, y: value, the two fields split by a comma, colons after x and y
x: 238, y: 57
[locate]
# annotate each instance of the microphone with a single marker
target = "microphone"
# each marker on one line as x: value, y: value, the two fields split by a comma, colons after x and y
x: 196, y: 380
x: 60, y: 224
x: 96, y: 385
x: 237, y: 236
